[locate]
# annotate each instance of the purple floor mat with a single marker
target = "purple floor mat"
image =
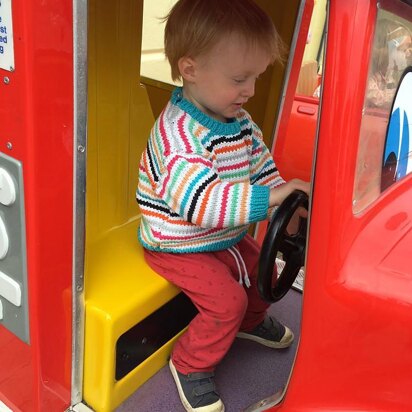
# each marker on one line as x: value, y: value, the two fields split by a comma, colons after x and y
x: 249, y: 372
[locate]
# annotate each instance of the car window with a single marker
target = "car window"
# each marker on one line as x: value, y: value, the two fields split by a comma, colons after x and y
x: 310, y: 74
x: 385, y: 144
x: 153, y: 61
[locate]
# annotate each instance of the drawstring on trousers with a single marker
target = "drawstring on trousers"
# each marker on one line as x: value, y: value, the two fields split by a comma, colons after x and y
x: 240, y: 266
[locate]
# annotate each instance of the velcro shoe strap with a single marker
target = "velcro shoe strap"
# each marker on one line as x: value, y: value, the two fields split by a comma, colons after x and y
x: 204, y: 389
x: 197, y: 376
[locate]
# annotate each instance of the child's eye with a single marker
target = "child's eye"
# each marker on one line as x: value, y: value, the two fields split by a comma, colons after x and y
x: 239, y: 81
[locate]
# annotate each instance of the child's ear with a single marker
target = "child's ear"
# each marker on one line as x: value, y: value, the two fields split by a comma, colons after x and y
x: 187, y: 68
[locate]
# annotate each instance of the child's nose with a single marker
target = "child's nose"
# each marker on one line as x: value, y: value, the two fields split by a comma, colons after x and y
x: 249, y: 90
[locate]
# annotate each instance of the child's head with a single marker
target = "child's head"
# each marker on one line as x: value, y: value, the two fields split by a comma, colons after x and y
x: 194, y: 26
x: 219, y: 48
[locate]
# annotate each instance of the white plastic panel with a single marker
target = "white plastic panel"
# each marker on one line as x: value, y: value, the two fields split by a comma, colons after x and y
x: 10, y: 289
x: 7, y: 188
x: 4, y: 240
x: 13, y: 254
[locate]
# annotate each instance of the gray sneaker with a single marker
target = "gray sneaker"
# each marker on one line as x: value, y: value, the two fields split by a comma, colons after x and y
x: 270, y: 333
x: 197, y: 391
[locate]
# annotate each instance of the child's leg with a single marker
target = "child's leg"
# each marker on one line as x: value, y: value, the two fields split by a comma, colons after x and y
x: 257, y: 307
x: 257, y: 326
x: 220, y: 299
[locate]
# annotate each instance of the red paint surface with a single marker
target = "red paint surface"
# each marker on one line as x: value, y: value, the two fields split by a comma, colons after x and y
x: 355, y: 347
x: 295, y: 150
x: 289, y: 118
x: 36, y: 111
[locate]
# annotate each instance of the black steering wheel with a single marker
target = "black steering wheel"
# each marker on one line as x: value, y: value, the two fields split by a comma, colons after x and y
x: 291, y: 246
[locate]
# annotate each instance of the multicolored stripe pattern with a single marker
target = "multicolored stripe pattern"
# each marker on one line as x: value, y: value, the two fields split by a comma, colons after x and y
x: 201, y: 181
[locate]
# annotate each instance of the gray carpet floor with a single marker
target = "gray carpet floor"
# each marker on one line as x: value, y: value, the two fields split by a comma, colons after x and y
x: 248, y: 373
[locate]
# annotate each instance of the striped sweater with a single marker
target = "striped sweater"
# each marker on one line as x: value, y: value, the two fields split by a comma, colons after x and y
x: 201, y: 181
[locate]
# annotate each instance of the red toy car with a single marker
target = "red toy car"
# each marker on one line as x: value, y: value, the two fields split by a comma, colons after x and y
x: 74, y: 289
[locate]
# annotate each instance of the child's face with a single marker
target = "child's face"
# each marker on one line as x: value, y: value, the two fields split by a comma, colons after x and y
x: 224, y: 78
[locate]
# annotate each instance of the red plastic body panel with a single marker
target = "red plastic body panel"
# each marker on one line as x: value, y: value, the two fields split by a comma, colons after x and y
x: 294, y: 151
x: 283, y: 152
x: 355, y: 347
x: 36, y: 111
x: 299, y: 49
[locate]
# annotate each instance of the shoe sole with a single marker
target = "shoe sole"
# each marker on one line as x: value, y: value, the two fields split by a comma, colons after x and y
x: 285, y: 342
x: 214, y: 407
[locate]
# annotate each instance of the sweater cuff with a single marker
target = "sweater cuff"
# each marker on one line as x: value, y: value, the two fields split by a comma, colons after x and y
x: 259, y: 203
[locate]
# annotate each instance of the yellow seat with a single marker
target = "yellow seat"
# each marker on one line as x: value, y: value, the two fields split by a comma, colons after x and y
x: 120, y: 288
x: 121, y: 291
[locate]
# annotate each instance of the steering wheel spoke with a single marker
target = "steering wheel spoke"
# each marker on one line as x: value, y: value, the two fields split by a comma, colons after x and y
x: 284, y: 283
x: 287, y: 245
x: 292, y: 247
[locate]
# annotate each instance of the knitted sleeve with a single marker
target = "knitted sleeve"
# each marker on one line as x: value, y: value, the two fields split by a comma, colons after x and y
x: 192, y: 189
x: 263, y: 169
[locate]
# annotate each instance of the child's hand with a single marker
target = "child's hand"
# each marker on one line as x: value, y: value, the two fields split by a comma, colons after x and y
x: 280, y: 193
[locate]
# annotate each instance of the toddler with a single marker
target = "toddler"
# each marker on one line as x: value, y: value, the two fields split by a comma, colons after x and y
x: 204, y: 177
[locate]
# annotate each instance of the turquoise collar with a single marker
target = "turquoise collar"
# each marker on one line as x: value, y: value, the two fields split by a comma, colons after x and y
x: 230, y: 128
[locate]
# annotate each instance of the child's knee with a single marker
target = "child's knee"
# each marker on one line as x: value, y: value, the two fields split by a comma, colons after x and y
x: 234, y: 303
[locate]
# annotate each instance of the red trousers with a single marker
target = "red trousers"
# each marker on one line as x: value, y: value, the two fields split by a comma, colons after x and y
x: 211, y: 281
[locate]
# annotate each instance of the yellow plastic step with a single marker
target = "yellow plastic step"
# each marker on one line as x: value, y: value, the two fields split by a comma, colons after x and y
x: 121, y: 291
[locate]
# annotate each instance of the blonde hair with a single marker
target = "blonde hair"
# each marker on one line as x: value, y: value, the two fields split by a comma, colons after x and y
x: 193, y: 27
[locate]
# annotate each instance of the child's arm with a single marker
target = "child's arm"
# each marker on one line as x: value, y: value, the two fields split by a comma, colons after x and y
x: 190, y: 187
x: 264, y: 172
